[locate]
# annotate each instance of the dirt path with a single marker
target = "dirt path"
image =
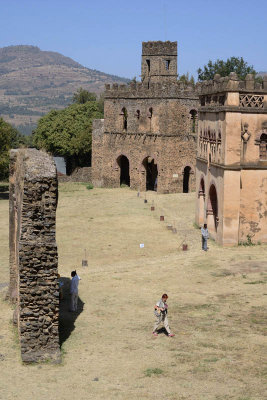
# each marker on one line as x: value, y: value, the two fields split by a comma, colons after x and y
x: 217, y: 303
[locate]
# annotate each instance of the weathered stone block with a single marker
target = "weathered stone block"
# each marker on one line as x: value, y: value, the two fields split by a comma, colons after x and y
x: 33, y: 253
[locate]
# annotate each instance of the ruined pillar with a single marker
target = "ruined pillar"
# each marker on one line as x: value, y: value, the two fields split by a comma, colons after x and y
x: 33, y: 253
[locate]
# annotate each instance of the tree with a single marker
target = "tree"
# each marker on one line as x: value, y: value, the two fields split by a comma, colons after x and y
x: 68, y: 132
x: 233, y: 64
x: 186, y: 79
x: 82, y: 96
x: 9, y: 138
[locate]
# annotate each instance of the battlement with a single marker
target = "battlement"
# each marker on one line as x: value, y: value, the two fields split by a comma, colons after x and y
x: 155, y: 90
x: 159, y: 48
x: 232, y: 83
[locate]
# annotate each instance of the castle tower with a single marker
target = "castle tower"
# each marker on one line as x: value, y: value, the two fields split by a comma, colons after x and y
x: 159, y: 62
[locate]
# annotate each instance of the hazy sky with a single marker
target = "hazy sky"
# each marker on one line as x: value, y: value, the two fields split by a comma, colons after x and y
x: 107, y: 35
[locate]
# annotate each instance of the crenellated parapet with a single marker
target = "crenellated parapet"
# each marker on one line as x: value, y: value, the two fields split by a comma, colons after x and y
x: 232, y: 83
x: 230, y: 91
x: 155, y: 90
x: 159, y: 48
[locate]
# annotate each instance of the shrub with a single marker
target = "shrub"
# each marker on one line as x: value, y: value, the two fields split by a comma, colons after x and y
x: 90, y: 186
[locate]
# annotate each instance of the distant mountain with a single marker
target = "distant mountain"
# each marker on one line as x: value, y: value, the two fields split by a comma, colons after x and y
x: 32, y: 82
x: 262, y: 73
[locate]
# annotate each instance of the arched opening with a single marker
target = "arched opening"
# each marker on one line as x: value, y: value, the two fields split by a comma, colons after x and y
x: 137, y: 114
x: 193, y: 115
x: 186, y: 178
x: 123, y: 163
x: 263, y: 147
x: 151, y: 174
x: 201, y: 202
x: 124, y: 118
x: 212, y: 211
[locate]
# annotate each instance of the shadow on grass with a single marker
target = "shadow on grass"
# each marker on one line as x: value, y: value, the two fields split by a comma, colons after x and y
x: 66, y: 318
x: 162, y: 331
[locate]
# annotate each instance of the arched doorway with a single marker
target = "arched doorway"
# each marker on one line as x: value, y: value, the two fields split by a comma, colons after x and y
x: 151, y: 173
x: 123, y: 163
x: 212, y: 211
x: 186, y: 173
x: 201, y: 202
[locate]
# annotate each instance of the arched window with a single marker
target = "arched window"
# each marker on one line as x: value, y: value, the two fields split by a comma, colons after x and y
x: 137, y: 114
x: 124, y: 118
x: 193, y: 114
x: 150, y: 112
x: 263, y: 147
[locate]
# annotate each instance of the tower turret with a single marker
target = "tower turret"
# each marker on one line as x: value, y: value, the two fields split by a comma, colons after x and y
x: 159, y: 62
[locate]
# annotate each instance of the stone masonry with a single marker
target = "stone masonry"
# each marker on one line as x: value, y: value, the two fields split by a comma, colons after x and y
x: 33, y: 254
x: 147, y: 139
x: 231, y: 169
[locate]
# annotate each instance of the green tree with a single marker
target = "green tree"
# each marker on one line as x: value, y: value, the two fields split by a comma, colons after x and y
x: 9, y: 138
x: 186, y: 79
x: 68, y: 133
x: 233, y: 64
x: 82, y: 96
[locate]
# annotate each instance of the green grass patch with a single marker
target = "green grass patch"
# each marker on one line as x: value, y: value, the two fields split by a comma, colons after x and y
x: 90, y: 186
x: 211, y: 360
x: 153, y: 371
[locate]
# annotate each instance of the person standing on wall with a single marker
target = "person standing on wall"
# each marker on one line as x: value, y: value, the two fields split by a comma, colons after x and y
x: 74, y: 291
x: 205, y: 236
x: 160, y: 311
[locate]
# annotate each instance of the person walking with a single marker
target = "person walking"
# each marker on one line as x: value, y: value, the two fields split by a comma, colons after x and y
x: 74, y: 291
x: 160, y: 311
x: 205, y: 237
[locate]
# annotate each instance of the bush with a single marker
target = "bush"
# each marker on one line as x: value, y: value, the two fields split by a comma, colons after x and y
x: 90, y: 186
x: 248, y: 242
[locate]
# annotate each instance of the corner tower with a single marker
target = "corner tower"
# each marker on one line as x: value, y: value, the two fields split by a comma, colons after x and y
x: 159, y: 62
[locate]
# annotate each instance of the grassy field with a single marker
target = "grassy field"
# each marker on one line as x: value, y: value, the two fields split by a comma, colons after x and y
x: 217, y: 306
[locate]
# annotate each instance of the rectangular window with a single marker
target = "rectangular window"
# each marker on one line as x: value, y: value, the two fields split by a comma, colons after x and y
x: 167, y: 64
x: 148, y: 65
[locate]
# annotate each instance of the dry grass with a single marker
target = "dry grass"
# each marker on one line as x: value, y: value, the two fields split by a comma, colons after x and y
x: 216, y: 306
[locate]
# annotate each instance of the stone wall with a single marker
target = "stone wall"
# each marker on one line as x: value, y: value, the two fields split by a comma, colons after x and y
x: 80, y: 174
x: 33, y: 253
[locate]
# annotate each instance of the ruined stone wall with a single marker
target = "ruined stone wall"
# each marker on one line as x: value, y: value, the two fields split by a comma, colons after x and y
x: 171, y: 154
x: 150, y: 115
x: 33, y: 253
x: 158, y: 126
x: 80, y: 174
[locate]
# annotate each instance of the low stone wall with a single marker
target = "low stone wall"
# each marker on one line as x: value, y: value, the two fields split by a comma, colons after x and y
x: 33, y: 254
x: 83, y: 174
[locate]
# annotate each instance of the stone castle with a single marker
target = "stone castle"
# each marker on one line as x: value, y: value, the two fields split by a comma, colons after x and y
x: 147, y: 139
x: 231, y: 165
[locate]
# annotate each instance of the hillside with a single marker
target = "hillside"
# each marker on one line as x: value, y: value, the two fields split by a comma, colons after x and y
x: 33, y: 81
